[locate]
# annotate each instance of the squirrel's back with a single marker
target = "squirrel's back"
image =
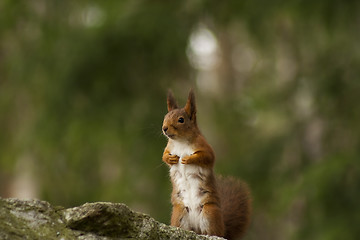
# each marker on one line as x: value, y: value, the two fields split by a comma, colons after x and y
x: 236, y: 206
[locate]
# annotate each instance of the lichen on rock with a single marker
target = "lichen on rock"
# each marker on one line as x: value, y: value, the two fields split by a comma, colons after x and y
x: 35, y: 219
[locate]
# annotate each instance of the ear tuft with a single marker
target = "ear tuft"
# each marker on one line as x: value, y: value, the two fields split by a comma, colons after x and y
x: 171, y: 102
x: 190, y: 107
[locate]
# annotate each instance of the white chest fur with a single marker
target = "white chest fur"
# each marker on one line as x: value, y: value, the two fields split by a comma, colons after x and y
x: 188, y: 179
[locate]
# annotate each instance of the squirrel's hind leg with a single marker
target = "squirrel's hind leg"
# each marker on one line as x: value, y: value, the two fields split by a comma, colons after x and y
x: 177, y: 215
x: 213, y: 221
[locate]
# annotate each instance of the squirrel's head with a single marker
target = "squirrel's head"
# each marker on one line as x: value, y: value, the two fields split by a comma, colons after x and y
x: 180, y: 123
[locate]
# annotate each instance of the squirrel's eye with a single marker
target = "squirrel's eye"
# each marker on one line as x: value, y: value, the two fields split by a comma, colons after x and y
x: 181, y: 120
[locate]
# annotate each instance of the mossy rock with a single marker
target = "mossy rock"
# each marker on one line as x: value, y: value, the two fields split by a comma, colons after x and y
x: 35, y: 219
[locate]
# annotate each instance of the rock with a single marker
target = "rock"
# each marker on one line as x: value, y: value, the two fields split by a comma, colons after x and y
x: 35, y: 219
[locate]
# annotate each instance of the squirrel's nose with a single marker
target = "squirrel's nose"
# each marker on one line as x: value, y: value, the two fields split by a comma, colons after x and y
x: 165, y: 129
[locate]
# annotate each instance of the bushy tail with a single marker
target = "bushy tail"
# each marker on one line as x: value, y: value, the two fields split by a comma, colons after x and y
x: 236, y: 206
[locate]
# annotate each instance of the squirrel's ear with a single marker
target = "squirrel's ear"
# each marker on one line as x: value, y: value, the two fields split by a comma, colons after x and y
x: 190, y: 107
x: 171, y: 102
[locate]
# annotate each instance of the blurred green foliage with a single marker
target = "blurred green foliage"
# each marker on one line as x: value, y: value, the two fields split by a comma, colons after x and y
x: 83, y: 93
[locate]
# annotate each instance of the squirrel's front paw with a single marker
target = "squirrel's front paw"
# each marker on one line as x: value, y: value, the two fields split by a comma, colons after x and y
x: 185, y: 160
x: 173, y: 159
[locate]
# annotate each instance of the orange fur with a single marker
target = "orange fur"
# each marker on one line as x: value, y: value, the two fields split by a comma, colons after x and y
x: 177, y: 214
x: 200, y: 202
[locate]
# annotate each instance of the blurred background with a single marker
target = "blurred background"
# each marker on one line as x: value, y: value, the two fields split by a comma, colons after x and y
x: 83, y: 93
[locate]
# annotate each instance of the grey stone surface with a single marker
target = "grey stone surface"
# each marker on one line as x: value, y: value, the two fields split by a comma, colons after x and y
x: 35, y: 219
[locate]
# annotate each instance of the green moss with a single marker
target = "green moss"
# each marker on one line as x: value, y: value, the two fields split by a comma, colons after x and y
x: 34, y: 219
x: 31, y: 220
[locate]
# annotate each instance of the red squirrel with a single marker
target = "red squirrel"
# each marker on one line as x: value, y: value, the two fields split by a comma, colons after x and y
x: 201, y: 202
